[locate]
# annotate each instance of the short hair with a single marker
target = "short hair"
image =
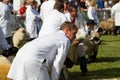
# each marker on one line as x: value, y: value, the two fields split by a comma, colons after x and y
x: 71, y: 6
x: 30, y: 2
x: 59, y: 6
x: 68, y: 25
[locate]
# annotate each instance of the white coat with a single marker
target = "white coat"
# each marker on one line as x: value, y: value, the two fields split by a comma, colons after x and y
x: 52, y: 22
x: 79, y: 22
x: 28, y: 63
x: 115, y: 13
x: 46, y: 8
x: 92, y: 14
x: 5, y: 20
x: 32, y: 22
x: 3, y: 42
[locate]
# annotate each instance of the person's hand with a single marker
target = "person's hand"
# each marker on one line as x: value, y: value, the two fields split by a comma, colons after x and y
x: 76, y: 42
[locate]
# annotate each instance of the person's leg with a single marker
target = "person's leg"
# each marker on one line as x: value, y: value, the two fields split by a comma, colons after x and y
x: 115, y: 30
x: 83, y: 64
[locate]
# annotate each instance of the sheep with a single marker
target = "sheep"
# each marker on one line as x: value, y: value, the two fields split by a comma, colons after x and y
x: 19, y: 37
x: 4, y: 67
x: 91, y: 43
x: 108, y: 25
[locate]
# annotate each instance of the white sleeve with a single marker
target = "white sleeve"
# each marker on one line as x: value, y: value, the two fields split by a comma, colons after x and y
x: 112, y: 12
x: 59, y: 60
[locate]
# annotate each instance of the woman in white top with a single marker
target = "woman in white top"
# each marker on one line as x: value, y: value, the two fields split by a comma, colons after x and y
x: 92, y: 13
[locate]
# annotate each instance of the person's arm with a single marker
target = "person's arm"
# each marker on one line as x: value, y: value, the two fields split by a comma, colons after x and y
x: 59, y: 60
x: 112, y: 12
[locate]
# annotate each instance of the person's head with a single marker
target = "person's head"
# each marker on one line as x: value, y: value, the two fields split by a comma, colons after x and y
x: 72, y: 9
x: 31, y: 2
x: 6, y: 1
x: 92, y: 3
x: 69, y: 29
x: 1, y: 0
x: 59, y: 6
x: 90, y: 24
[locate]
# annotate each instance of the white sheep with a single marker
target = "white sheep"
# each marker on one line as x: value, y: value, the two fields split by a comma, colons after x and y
x: 108, y: 25
x: 19, y: 37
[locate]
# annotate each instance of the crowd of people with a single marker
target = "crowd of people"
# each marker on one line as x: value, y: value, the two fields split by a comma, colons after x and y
x: 52, y: 27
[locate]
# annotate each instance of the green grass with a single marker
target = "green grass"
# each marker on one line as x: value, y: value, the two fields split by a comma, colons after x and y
x: 107, y: 66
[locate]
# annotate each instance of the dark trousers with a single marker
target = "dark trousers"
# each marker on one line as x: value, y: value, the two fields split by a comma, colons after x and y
x: 117, y: 30
x: 83, y: 64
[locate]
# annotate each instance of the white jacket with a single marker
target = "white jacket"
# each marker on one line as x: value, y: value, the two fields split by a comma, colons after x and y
x: 46, y: 8
x: 28, y: 61
x: 52, y: 22
x: 115, y: 13
x: 5, y: 20
x: 32, y: 22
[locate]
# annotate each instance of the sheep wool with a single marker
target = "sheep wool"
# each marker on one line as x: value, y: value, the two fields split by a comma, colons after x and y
x: 19, y: 37
x: 4, y: 67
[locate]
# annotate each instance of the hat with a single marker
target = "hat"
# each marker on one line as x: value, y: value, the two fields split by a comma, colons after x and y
x: 91, y: 22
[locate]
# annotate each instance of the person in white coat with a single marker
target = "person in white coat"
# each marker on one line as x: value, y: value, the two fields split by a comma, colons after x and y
x: 5, y: 21
x: 46, y: 8
x: 54, y: 20
x: 115, y: 13
x: 42, y: 55
x: 32, y: 20
x: 78, y: 20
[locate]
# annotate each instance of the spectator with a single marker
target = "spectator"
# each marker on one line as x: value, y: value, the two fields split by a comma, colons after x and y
x: 92, y: 13
x: 115, y: 13
x: 83, y: 4
x: 42, y: 55
x: 66, y: 3
x: 108, y: 4
x: 100, y: 4
x: 23, y: 8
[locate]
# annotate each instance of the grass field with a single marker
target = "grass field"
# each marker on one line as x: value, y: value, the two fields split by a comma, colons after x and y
x: 107, y: 66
